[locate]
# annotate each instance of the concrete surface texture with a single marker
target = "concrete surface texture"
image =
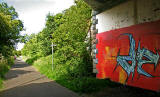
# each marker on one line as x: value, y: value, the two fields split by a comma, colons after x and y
x: 127, y: 14
x: 24, y: 81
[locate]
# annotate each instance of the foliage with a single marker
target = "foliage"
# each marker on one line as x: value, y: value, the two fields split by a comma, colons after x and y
x: 17, y: 53
x: 71, y: 53
x: 31, y: 59
x: 4, y: 67
x: 1, y: 82
x: 25, y: 38
x: 10, y: 27
x: 72, y: 61
x: 83, y: 84
x: 4, y: 8
x: 68, y: 31
x: 40, y: 45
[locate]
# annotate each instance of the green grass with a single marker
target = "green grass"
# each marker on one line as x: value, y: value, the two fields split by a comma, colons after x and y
x: 86, y: 84
x: 5, y: 64
x: 29, y: 60
x: 4, y: 67
x: 1, y: 82
x: 24, y: 58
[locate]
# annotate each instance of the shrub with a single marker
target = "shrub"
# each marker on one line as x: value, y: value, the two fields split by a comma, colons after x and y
x: 31, y: 59
x: 1, y: 82
x: 3, y: 67
x: 75, y: 80
x: 72, y: 62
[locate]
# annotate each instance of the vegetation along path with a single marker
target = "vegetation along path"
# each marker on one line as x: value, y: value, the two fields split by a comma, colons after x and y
x: 24, y: 81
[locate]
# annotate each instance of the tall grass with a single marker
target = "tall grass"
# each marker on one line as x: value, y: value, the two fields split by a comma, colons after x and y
x: 5, y: 64
x: 1, y: 82
x: 85, y: 84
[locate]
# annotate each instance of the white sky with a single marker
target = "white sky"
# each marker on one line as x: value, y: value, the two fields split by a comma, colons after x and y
x: 33, y: 12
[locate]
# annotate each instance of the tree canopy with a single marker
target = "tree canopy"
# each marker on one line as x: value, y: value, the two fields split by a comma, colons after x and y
x: 10, y: 27
x: 68, y: 30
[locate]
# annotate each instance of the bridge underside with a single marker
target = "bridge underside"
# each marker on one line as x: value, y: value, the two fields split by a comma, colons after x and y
x: 101, y: 5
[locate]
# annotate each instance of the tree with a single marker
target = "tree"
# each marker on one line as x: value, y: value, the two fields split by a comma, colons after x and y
x: 10, y: 27
x: 68, y: 30
x: 4, y: 8
x: 40, y: 44
x: 70, y: 39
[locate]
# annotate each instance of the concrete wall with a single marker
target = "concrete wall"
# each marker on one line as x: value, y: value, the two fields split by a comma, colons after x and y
x: 127, y: 14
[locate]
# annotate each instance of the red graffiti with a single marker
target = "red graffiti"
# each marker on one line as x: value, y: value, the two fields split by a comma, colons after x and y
x: 112, y: 49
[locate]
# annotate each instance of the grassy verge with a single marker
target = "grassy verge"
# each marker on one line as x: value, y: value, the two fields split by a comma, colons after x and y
x: 86, y: 84
x: 29, y: 60
x: 24, y: 58
x: 5, y: 64
x: 1, y: 82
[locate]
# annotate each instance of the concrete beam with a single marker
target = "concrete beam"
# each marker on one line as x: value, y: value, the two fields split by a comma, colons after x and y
x: 101, y: 5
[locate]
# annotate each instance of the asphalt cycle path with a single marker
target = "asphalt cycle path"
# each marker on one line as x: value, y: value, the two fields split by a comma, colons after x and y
x: 24, y: 81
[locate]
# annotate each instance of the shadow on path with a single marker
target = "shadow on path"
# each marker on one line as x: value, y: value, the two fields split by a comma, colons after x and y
x: 19, y: 68
x: 24, y: 81
x: 19, y: 64
x: 46, y: 89
x: 15, y: 73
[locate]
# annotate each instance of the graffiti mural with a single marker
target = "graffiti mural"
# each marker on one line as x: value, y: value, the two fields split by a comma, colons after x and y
x: 131, y: 55
x: 136, y: 57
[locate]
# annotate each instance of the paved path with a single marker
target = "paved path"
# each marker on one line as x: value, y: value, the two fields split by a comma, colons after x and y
x: 24, y: 81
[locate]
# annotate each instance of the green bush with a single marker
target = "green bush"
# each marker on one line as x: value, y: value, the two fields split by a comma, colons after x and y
x: 10, y: 27
x: 62, y: 75
x: 1, y: 82
x: 31, y: 59
x: 72, y: 62
x: 3, y: 67
x: 10, y: 60
x: 5, y: 64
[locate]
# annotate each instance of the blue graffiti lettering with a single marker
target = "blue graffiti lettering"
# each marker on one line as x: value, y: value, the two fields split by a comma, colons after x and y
x: 153, y: 59
x: 122, y: 60
x: 136, y: 57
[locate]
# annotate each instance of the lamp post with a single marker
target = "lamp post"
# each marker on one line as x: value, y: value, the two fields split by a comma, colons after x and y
x: 52, y: 54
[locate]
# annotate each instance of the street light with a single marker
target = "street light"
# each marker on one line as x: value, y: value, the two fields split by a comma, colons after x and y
x: 52, y: 54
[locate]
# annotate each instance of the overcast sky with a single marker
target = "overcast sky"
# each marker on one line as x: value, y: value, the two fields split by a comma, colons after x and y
x: 33, y: 12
